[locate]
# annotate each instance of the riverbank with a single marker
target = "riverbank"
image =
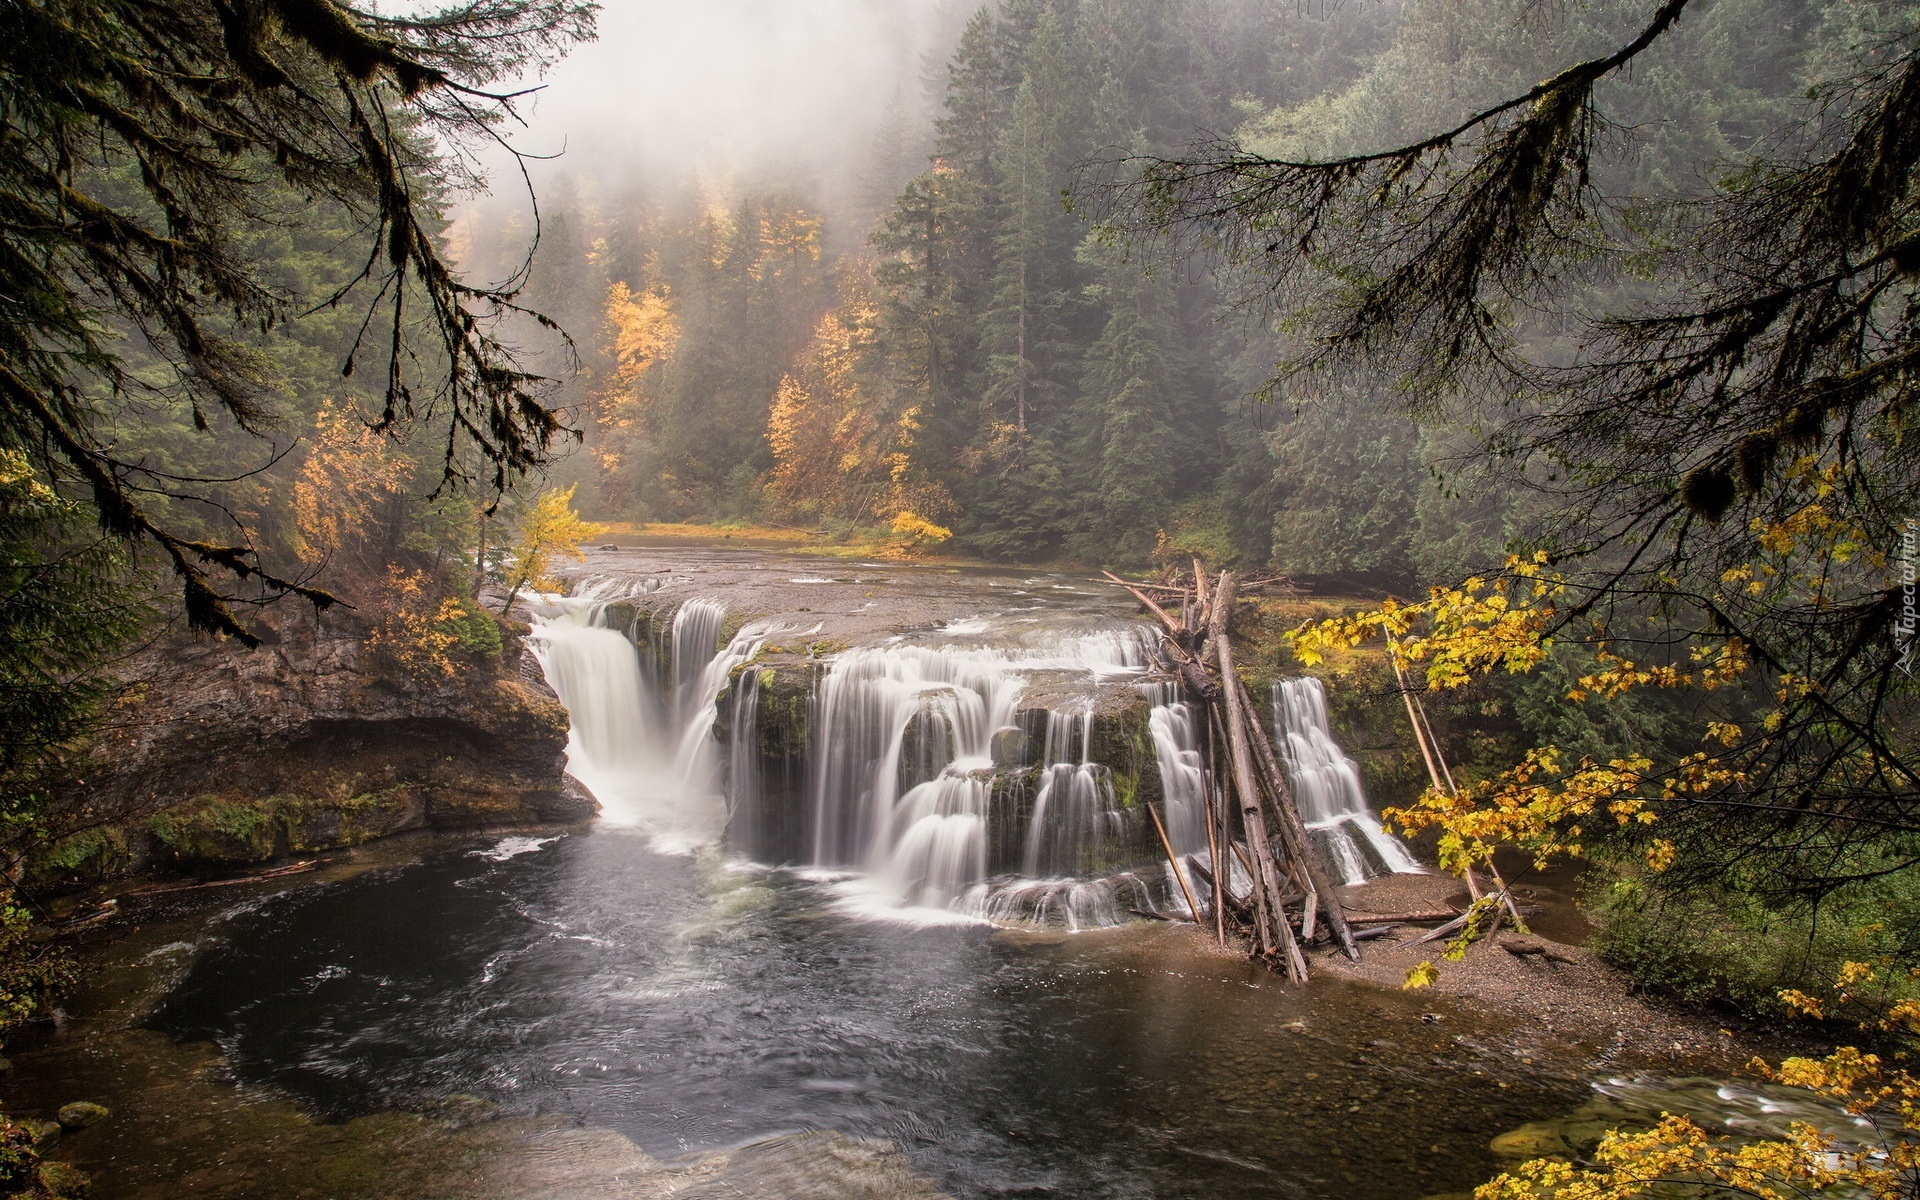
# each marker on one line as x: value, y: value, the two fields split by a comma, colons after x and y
x: 851, y: 543
x: 1546, y: 978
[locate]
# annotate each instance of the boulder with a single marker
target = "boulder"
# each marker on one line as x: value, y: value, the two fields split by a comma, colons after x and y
x: 64, y: 1180
x: 1537, y: 1139
x: 312, y: 742
x: 80, y: 1114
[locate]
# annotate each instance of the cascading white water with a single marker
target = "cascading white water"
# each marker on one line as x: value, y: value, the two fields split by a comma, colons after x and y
x: 695, y: 639
x: 1183, y: 782
x: 651, y: 761
x: 1326, y: 787
x: 904, y: 756
x: 1074, y: 813
x: 907, y: 743
x: 743, y: 760
x: 1075, y: 832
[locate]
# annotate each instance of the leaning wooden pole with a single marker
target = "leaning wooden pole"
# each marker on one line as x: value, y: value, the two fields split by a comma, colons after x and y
x: 1210, y: 781
x: 1173, y: 864
x: 1266, y: 886
x: 1420, y: 735
x: 1442, y: 777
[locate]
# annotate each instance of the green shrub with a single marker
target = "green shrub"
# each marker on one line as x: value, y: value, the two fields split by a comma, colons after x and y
x: 472, y: 629
x: 84, y: 857
x: 1723, y: 944
x: 217, y: 831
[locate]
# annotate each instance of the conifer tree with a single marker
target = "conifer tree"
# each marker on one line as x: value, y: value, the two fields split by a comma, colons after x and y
x: 209, y: 112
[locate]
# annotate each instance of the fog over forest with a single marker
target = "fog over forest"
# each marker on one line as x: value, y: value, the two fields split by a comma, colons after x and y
x: 719, y: 94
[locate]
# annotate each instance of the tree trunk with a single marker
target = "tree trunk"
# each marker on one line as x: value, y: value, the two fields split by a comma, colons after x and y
x: 1275, y: 932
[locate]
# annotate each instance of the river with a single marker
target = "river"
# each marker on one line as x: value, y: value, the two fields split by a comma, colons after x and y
x: 427, y: 1018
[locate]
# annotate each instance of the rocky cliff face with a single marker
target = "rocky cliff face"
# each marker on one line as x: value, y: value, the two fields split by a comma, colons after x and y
x: 228, y: 756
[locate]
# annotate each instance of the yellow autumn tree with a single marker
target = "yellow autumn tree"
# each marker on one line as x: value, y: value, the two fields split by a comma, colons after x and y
x: 844, y: 444
x: 1549, y: 806
x: 823, y: 425
x: 351, y: 477
x: 641, y: 332
x: 549, y: 532
x: 788, y: 242
x: 916, y: 533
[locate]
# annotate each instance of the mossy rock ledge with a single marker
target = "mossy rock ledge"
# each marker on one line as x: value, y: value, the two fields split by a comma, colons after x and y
x: 309, y: 743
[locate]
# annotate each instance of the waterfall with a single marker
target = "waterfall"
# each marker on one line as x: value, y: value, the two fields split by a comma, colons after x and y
x: 1072, y: 838
x: 1182, y: 781
x: 1074, y: 814
x: 695, y: 640
x: 907, y: 742
x: 1326, y: 787
x: 901, y: 733
x: 937, y: 785
x: 649, y: 759
x: 743, y: 761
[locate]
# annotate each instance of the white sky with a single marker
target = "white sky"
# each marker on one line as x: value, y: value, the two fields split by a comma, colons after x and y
x: 703, y: 86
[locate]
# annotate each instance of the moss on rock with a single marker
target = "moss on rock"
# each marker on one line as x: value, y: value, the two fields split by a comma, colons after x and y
x: 218, y: 831
x: 79, y: 860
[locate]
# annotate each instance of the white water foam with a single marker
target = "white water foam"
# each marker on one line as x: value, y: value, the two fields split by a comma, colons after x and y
x: 513, y: 847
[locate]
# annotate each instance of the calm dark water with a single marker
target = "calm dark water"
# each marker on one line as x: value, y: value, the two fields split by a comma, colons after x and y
x: 692, y: 1005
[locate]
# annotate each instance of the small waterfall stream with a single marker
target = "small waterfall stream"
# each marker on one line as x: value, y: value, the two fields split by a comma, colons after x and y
x: 1326, y: 786
x: 1074, y: 813
x: 1183, y: 784
x: 650, y: 760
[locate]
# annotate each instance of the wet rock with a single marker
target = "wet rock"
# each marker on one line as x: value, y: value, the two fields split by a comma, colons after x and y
x: 80, y: 1114
x: 813, y: 1166
x: 1536, y: 1139
x: 65, y: 1181
x: 311, y: 743
x: 460, y: 1110
x: 43, y: 1133
x: 1010, y: 747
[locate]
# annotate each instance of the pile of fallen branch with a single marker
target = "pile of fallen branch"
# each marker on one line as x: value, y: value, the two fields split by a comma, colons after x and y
x: 1289, y: 901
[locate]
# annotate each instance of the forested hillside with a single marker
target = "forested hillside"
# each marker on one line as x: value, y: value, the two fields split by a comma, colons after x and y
x: 977, y: 356
x: 980, y: 356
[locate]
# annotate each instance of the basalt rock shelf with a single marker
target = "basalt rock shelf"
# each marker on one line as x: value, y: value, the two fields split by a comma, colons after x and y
x: 957, y: 746
x: 227, y: 757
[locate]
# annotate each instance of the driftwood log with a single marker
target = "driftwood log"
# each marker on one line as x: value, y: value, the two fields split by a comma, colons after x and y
x: 1251, y: 816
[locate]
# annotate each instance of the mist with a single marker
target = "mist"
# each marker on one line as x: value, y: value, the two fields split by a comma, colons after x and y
x: 721, y: 94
